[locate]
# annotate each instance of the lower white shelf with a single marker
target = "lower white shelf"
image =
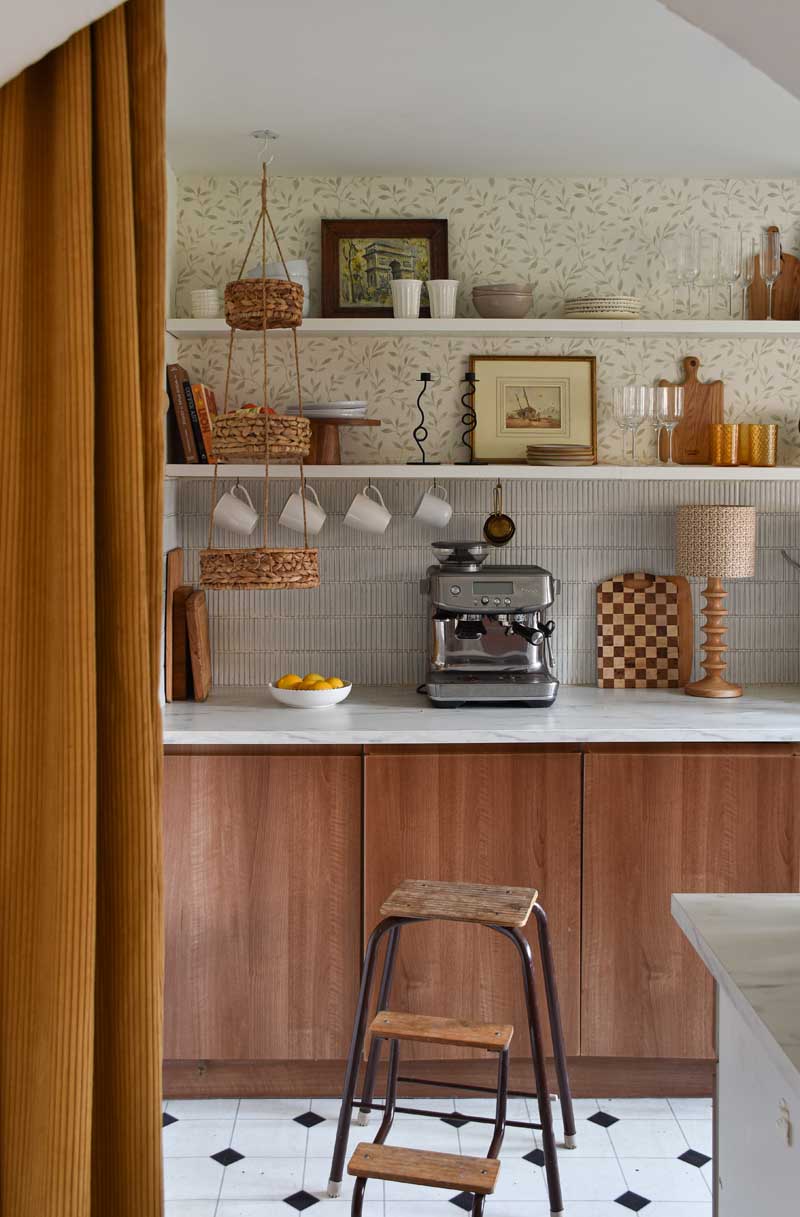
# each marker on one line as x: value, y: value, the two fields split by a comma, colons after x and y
x: 630, y: 473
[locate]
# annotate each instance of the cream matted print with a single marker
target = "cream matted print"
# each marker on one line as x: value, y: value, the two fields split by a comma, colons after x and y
x: 532, y: 400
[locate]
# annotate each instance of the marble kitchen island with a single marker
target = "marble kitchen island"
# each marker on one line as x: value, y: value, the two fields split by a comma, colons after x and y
x: 751, y: 946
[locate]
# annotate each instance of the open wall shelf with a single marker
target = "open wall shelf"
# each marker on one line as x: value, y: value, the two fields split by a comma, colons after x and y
x: 636, y: 473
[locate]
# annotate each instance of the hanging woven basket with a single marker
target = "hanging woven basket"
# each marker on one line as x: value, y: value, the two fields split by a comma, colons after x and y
x: 263, y: 304
x: 248, y: 435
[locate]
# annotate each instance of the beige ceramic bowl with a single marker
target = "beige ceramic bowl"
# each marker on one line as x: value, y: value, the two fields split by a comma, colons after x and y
x: 506, y: 300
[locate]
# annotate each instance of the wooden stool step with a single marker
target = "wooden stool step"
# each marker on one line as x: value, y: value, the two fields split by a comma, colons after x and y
x: 424, y: 1168
x: 424, y: 898
x: 428, y: 1028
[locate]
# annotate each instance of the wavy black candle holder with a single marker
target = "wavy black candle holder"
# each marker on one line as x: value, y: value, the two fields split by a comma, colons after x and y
x: 420, y: 432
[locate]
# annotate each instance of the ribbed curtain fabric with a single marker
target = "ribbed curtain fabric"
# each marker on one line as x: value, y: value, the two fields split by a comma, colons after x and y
x: 82, y: 251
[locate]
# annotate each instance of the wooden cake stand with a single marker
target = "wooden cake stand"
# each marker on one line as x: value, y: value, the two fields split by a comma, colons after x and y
x: 325, y: 448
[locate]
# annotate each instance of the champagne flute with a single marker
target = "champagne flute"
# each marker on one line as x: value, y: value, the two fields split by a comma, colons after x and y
x: 748, y: 272
x: 730, y: 262
x: 709, y: 265
x: 770, y: 264
x: 689, y: 262
x: 669, y: 410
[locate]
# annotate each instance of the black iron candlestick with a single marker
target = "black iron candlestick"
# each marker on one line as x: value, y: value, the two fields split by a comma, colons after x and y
x: 420, y: 432
x: 469, y: 418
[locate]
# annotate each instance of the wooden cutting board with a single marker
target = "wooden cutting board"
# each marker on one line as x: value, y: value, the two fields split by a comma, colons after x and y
x: 172, y: 582
x: 199, y: 645
x: 785, y: 292
x: 181, y: 664
x: 645, y: 632
x: 703, y: 404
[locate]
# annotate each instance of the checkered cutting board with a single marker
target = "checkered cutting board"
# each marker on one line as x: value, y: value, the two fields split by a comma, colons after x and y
x: 644, y: 632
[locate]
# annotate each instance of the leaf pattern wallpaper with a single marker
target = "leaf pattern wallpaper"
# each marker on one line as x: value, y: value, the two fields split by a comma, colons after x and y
x: 564, y: 236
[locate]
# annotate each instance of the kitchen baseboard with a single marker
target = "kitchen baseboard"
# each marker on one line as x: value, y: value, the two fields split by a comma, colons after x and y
x: 590, y: 1077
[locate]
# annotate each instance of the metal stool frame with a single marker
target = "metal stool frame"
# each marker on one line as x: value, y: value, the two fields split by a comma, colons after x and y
x: 392, y: 926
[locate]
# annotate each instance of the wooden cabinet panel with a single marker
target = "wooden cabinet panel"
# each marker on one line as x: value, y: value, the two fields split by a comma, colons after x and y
x: 262, y: 899
x: 662, y: 822
x: 484, y: 816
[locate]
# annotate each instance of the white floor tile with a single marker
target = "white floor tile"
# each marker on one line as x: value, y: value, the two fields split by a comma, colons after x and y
x: 707, y: 1172
x: 541, y: 1208
x: 253, y: 1208
x: 699, y: 1134
x: 437, y: 1103
x: 692, y: 1109
x: 191, y: 1178
x: 699, y: 1209
x: 203, y: 1109
x: 262, y: 1179
x: 432, y: 1135
x: 321, y: 1137
x: 273, y: 1109
x: 637, y: 1109
x: 647, y: 1139
x: 662, y: 1179
x: 405, y: 1193
x: 421, y: 1208
x: 196, y: 1138
x: 520, y: 1180
x: 581, y: 1108
x: 593, y: 1141
x: 590, y: 1178
x: 270, y: 1138
x: 329, y: 1108
x: 190, y: 1208
x: 316, y: 1178
x: 475, y: 1140
x: 516, y: 1109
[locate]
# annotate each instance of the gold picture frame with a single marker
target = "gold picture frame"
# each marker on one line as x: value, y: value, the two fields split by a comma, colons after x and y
x: 525, y: 399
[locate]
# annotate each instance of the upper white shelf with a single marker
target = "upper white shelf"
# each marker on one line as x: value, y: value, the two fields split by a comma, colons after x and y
x: 478, y: 327
x: 628, y: 473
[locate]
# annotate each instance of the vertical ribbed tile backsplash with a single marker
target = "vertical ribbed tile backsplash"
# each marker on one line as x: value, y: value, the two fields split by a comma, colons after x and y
x: 367, y: 622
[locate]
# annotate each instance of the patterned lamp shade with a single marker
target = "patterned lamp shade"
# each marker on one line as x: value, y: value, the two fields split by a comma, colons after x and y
x: 716, y: 542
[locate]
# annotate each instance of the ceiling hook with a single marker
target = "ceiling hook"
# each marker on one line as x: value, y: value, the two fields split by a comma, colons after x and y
x: 265, y: 136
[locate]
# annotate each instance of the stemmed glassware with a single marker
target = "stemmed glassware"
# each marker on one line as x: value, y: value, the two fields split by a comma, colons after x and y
x: 631, y: 407
x: 709, y: 265
x: 748, y: 272
x: 730, y: 262
x: 770, y: 262
x: 682, y: 259
x: 667, y: 411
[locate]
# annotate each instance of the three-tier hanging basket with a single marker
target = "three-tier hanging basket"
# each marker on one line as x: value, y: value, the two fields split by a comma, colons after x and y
x: 247, y: 435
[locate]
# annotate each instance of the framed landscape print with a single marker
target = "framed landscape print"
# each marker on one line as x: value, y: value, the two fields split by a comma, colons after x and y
x: 533, y: 399
x: 361, y: 257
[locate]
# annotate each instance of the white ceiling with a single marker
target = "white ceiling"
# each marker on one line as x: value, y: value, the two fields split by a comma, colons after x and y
x: 452, y: 87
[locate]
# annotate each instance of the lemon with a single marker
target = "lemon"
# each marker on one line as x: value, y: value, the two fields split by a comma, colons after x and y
x: 304, y: 686
x: 289, y: 681
x: 311, y: 678
x: 335, y: 682
x: 321, y: 686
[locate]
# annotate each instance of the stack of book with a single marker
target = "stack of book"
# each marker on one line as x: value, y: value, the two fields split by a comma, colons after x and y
x: 193, y: 409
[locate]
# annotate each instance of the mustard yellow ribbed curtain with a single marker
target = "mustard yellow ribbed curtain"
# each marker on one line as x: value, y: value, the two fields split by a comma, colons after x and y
x: 82, y: 241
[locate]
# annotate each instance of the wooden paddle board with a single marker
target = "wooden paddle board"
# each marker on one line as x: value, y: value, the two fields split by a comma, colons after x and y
x: 181, y: 664
x: 199, y: 645
x: 171, y: 584
x: 703, y: 404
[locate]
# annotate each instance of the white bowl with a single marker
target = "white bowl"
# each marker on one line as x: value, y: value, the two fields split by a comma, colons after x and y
x: 310, y: 699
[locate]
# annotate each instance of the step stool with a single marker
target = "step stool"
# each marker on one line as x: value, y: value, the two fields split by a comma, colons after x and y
x: 505, y: 910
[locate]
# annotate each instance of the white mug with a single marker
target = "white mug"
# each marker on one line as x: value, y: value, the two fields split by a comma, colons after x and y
x: 366, y: 514
x: 231, y: 512
x: 442, y: 294
x: 405, y: 297
x: 433, y: 508
x: 292, y: 514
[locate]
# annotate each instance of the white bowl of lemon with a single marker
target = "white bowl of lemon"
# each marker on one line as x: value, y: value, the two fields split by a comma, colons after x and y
x: 310, y: 692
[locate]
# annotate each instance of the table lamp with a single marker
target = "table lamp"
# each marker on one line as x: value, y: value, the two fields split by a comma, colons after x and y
x: 715, y: 543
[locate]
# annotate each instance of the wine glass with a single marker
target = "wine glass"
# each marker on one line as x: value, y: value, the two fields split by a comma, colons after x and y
x: 748, y: 272
x: 668, y: 408
x: 631, y: 408
x: 670, y: 253
x: 770, y: 264
x: 709, y: 267
x: 680, y: 256
x: 730, y: 262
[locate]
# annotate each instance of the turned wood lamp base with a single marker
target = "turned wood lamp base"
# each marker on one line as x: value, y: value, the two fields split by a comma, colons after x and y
x: 713, y: 684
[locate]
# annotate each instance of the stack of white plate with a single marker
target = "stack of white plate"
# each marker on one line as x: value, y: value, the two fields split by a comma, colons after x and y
x: 331, y: 409
x: 603, y: 308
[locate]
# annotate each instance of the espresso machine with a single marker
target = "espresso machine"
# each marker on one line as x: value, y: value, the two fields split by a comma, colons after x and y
x: 489, y: 642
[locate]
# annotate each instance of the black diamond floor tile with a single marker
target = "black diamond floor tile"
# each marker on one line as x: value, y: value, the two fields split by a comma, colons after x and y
x: 309, y: 1119
x: 227, y: 1157
x: 632, y: 1201
x: 463, y: 1200
x: 694, y: 1157
x: 603, y: 1119
x: 455, y: 1121
x: 535, y: 1156
x: 301, y: 1200
x: 167, y: 1119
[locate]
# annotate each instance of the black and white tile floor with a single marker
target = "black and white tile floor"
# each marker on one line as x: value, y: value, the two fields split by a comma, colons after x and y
x: 271, y: 1158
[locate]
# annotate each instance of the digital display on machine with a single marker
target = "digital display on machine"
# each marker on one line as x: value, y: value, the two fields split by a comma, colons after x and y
x: 492, y: 589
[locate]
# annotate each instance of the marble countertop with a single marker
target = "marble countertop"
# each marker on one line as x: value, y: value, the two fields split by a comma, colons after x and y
x: 751, y: 946
x: 765, y: 714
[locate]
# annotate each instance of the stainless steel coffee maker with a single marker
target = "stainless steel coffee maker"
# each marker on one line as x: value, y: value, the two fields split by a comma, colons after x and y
x: 488, y: 640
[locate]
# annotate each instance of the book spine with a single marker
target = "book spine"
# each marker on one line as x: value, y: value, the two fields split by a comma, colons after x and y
x: 198, y: 434
x: 175, y: 390
x: 202, y: 406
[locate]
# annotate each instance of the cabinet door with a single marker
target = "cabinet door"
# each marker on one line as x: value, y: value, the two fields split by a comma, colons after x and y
x: 482, y: 816
x: 663, y: 821
x: 262, y: 862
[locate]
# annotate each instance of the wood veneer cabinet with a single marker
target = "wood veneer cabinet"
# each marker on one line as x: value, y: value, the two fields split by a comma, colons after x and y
x: 484, y: 815
x: 658, y: 821
x: 262, y: 903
